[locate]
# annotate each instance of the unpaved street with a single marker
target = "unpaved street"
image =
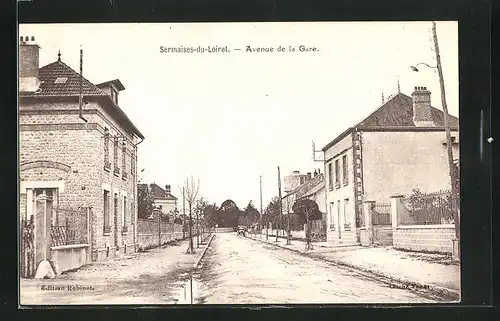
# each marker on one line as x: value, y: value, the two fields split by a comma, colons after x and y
x: 153, y: 277
x: 244, y: 271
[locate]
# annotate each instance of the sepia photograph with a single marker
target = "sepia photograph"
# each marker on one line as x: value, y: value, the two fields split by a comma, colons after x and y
x: 239, y: 163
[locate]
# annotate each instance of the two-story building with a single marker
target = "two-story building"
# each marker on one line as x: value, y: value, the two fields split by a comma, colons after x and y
x: 78, y: 148
x: 398, y: 147
x: 164, y: 201
x: 299, y: 186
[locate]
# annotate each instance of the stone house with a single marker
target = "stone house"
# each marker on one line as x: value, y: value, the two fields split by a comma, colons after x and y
x: 398, y: 147
x: 164, y: 201
x: 78, y: 159
x: 306, y: 186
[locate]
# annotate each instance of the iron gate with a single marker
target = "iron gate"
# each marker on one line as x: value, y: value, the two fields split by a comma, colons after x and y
x: 27, y: 269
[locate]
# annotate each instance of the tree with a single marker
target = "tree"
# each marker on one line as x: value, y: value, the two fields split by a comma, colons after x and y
x: 228, y: 214
x: 287, y: 202
x: 250, y: 215
x: 272, y: 212
x: 145, y: 201
x: 309, y: 211
x: 191, y: 189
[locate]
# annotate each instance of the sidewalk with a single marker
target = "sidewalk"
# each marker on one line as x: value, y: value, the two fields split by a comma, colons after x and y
x: 432, y: 271
x: 150, y: 277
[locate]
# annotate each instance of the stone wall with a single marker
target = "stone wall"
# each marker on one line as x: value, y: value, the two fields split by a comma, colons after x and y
x: 436, y: 238
x: 147, y: 233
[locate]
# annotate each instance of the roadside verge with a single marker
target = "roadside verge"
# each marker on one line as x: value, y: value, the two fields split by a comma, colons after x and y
x: 394, y: 281
x: 195, y: 265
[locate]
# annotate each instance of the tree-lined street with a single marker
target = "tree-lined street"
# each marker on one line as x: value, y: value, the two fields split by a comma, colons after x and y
x: 239, y: 270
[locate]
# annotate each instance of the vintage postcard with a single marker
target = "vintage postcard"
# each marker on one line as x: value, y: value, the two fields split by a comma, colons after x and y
x: 239, y: 163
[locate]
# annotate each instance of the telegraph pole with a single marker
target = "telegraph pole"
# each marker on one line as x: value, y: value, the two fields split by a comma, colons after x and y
x: 183, y: 214
x: 260, y: 225
x: 452, y: 168
x: 281, y: 207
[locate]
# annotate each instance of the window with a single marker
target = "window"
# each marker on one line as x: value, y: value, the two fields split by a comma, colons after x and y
x: 332, y: 220
x: 107, y: 226
x: 124, y: 213
x: 132, y: 211
x: 345, y: 179
x: 337, y: 174
x: 115, y: 213
x: 338, y: 212
x: 132, y: 162
x: 330, y: 175
x: 346, y: 211
x: 124, y: 160
x: 107, y: 164
x: 115, y: 154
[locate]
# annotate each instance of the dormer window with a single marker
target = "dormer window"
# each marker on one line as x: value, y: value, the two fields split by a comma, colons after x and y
x: 112, y: 88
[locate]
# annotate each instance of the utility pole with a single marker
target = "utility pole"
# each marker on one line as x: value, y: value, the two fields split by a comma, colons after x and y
x: 197, y: 228
x: 281, y: 205
x: 183, y: 214
x: 288, y: 242
x: 452, y: 168
x: 260, y: 225
x: 159, y: 228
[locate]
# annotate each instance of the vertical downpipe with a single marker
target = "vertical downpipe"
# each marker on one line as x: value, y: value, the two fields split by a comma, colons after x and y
x: 80, y: 98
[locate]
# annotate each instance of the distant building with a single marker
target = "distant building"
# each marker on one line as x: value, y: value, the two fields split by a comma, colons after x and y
x: 294, y: 180
x: 164, y: 200
x: 313, y: 188
x: 398, y: 147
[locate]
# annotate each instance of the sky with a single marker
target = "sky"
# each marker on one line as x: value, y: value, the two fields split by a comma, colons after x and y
x: 229, y: 118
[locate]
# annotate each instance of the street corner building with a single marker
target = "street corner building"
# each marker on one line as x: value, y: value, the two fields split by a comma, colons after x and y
x: 78, y: 166
x: 398, y: 148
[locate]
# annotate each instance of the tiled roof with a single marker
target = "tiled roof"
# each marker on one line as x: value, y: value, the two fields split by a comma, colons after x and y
x: 160, y: 193
x: 396, y: 113
x: 71, y: 87
x: 59, y: 80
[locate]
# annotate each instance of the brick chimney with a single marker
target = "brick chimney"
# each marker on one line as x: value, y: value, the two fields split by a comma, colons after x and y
x: 167, y: 189
x: 309, y: 176
x: 422, y: 114
x: 29, y: 53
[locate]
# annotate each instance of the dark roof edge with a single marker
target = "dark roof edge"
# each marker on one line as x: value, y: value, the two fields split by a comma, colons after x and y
x: 103, y: 96
x: 127, y: 120
x: 338, y: 138
x: 403, y: 129
x: 116, y: 82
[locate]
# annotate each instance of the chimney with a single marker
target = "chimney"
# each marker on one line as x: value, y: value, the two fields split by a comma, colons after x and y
x: 29, y: 53
x: 167, y: 189
x: 296, y: 172
x: 309, y: 176
x: 422, y: 113
x: 315, y: 173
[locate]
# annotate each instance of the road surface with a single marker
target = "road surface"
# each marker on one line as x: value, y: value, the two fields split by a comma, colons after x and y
x: 238, y: 270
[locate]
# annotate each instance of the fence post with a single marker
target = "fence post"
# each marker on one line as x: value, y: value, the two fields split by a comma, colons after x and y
x: 395, y: 212
x: 367, y: 212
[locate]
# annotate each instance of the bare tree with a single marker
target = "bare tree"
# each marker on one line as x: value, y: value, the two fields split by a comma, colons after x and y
x: 288, y: 202
x: 191, y: 189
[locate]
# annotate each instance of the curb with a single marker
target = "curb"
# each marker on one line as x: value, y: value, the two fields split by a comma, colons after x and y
x: 391, y: 280
x: 195, y: 265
